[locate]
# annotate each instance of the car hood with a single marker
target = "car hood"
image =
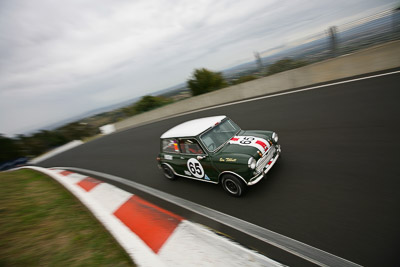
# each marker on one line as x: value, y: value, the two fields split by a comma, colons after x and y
x: 248, y: 143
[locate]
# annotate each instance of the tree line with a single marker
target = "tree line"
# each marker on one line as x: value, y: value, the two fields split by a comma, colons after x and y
x: 204, y: 81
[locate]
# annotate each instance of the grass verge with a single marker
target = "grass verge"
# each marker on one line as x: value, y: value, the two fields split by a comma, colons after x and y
x: 41, y: 223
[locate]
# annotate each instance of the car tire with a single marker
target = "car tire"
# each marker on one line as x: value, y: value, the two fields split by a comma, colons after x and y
x: 168, y: 173
x: 233, y: 185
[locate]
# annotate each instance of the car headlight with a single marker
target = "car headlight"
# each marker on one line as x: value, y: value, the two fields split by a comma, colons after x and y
x: 252, y: 163
x: 275, y: 137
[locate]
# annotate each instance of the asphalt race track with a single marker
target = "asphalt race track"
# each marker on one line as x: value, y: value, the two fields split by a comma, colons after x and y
x: 336, y: 186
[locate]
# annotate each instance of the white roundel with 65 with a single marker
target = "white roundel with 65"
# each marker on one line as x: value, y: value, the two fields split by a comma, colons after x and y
x: 195, y: 168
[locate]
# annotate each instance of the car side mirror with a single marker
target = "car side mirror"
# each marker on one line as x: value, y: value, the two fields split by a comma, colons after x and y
x: 200, y: 157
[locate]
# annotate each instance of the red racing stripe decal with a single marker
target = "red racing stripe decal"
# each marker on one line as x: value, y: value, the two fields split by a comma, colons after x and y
x: 151, y: 223
x: 261, y: 143
x: 234, y: 139
x: 89, y: 183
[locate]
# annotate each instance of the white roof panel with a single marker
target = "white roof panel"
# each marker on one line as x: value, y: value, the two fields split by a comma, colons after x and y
x: 193, y: 127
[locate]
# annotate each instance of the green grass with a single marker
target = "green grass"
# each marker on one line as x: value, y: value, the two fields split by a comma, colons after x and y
x: 41, y: 223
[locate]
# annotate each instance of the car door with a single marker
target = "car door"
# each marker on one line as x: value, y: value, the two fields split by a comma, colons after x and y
x: 194, y: 163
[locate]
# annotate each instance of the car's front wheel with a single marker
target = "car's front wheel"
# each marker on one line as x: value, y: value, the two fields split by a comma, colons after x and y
x: 168, y: 173
x: 233, y: 185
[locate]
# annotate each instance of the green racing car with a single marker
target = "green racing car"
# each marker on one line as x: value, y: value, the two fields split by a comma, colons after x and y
x: 215, y: 150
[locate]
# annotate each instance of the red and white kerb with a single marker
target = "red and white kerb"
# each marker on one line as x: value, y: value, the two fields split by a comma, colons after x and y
x: 261, y: 144
x: 153, y: 236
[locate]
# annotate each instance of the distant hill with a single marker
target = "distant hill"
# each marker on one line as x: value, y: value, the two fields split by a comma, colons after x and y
x: 90, y: 114
x: 170, y: 89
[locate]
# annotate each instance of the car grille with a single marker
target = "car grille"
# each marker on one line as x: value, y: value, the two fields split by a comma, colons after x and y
x: 262, y: 162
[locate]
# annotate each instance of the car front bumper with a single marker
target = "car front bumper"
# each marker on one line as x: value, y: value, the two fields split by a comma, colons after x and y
x: 266, y: 169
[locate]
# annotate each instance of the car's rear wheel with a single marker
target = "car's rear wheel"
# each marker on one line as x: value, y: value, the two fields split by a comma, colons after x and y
x: 233, y: 185
x: 168, y: 173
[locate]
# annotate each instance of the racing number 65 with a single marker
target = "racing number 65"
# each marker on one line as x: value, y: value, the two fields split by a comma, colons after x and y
x: 195, y: 168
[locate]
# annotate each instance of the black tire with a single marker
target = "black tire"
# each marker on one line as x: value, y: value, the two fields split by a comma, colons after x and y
x: 233, y: 185
x: 168, y: 173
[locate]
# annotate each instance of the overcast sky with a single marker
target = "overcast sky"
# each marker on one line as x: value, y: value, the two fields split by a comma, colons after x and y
x: 59, y: 59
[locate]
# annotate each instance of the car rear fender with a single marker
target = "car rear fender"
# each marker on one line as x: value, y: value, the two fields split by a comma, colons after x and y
x: 169, y: 166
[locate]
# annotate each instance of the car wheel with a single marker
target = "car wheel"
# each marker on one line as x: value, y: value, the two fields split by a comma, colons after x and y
x: 233, y: 185
x: 168, y: 173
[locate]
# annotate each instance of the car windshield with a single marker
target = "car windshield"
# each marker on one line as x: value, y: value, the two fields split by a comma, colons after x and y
x: 220, y: 134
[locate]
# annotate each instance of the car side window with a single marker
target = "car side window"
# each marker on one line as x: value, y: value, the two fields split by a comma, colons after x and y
x: 170, y: 146
x: 190, y: 146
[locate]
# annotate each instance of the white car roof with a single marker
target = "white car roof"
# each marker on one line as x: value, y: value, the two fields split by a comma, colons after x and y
x: 193, y: 127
